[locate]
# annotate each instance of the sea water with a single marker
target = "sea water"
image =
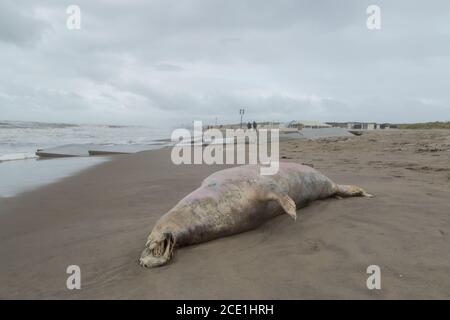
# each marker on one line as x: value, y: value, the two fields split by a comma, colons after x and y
x: 20, y: 140
x: 21, y: 170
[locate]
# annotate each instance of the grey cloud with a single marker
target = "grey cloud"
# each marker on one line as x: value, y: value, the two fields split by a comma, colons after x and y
x: 137, y: 61
x: 19, y: 26
x: 168, y: 67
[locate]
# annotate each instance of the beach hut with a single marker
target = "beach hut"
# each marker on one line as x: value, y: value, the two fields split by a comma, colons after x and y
x: 308, y: 124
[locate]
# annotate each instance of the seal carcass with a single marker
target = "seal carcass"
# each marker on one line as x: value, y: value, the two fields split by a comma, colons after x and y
x: 235, y: 200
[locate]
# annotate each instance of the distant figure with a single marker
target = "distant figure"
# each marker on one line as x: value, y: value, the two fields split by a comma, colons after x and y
x: 254, y: 125
x: 249, y: 125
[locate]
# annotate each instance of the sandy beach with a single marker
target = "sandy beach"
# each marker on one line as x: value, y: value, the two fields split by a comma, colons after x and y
x: 99, y: 219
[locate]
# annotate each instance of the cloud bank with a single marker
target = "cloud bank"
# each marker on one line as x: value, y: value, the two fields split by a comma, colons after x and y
x: 153, y: 62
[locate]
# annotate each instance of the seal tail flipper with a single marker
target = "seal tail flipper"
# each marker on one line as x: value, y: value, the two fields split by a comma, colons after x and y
x: 350, y: 191
x: 285, y: 202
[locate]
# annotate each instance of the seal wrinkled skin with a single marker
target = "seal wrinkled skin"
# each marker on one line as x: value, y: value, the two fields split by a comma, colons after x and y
x: 234, y: 200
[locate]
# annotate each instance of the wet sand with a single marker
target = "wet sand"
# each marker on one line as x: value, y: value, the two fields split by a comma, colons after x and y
x: 100, y: 218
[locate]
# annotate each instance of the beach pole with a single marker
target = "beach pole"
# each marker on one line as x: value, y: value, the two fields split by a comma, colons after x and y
x: 241, y: 112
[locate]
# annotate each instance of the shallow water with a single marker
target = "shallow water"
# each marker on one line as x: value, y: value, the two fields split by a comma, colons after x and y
x: 24, y: 175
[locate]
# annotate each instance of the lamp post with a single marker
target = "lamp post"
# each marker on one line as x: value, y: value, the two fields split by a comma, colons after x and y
x: 241, y: 112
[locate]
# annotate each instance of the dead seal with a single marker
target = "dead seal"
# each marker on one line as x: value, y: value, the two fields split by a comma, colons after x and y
x: 234, y: 200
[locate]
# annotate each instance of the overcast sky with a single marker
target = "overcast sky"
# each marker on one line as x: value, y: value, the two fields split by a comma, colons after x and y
x: 148, y: 62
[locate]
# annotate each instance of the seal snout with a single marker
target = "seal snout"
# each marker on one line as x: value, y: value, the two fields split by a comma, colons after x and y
x: 157, y: 252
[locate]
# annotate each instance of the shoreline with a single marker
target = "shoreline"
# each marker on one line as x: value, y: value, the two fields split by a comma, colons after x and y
x: 99, y: 219
x: 19, y: 176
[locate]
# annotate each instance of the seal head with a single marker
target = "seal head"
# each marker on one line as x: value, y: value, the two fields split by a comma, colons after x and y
x: 158, y: 250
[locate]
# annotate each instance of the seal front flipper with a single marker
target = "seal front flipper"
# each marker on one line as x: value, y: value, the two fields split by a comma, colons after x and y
x: 285, y: 202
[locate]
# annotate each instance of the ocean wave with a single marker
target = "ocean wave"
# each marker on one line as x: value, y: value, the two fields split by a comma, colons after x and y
x: 34, y: 125
x: 20, y: 140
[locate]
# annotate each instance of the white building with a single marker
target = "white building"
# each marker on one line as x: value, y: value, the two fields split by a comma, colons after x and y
x: 300, y: 124
x: 356, y: 125
x: 362, y: 125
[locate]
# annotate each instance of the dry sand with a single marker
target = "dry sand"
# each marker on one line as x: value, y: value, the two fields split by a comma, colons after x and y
x: 100, y: 218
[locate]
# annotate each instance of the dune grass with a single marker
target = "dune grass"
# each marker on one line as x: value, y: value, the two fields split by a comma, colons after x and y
x: 426, y: 125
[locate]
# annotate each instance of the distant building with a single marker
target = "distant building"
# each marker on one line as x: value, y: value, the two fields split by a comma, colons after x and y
x: 260, y: 125
x: 356, y: 125
x: 388, y: 126
x: 268, y: 125
x: 307, y: 124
